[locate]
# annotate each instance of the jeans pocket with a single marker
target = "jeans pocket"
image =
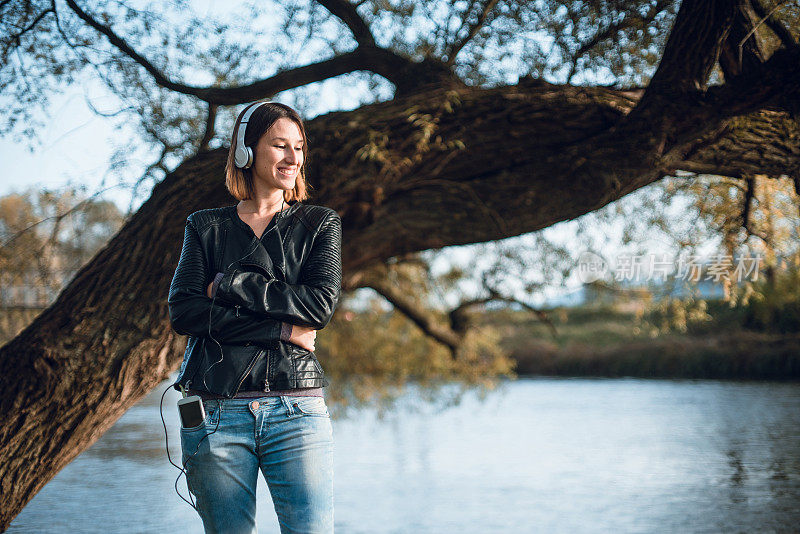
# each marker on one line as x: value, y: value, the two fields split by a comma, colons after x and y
x: 311, y: 406
x: 211, y: 409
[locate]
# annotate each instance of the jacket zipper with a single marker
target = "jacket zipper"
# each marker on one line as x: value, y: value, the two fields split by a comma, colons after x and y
x: 269, y: 370
x: 244, y: 375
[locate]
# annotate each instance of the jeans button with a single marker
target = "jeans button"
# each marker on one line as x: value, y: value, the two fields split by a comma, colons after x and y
x: 254, y: 405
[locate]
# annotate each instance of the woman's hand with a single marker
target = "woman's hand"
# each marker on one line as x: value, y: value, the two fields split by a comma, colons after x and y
x: 211, y: 290
x: 304, y: 336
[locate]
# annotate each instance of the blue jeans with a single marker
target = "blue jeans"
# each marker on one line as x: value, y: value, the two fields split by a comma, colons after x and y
x: 289, y: 438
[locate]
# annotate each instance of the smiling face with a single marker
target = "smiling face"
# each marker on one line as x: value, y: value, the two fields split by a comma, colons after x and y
x: 278, y: 156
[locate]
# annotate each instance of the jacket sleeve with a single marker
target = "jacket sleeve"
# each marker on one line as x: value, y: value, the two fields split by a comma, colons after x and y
x: 310, y: 302
x: 189, y: 306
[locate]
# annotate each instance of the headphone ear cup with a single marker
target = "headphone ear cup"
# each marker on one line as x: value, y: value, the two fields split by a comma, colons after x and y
x: 249, y: 157
x: 241, y: 157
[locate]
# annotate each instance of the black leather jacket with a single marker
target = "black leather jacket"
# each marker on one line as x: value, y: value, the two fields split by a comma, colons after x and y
x: 291, y: 274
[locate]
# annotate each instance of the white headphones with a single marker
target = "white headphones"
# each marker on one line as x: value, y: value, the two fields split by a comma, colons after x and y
x: 243, y: 155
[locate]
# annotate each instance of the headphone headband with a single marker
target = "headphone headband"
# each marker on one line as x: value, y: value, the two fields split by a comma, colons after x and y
x: 243, y: 155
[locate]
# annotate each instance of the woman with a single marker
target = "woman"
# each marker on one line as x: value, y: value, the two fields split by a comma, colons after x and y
x: 253, y: 284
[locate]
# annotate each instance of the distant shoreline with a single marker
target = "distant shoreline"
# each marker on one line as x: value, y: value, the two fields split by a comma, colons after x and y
x: 742, y: 354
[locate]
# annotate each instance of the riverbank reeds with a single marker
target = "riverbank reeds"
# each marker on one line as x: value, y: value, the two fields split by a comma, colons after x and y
x: 604, y: 341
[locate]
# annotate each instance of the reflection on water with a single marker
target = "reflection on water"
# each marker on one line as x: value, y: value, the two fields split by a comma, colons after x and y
x: 538, y: 455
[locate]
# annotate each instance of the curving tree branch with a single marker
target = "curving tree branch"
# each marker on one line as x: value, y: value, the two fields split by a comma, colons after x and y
x: 405, y: 74
x: 473, y: 29
x: 17, y: 36
x: 611, y: 29
x: 692, y: 49
x: 208, y: 135
x: 777, y: 27
x: 742, y: 50
x: 346, y: 12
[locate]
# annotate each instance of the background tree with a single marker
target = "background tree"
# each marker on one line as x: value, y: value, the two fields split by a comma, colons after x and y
x: 45, y: 237
x: 475, y: 133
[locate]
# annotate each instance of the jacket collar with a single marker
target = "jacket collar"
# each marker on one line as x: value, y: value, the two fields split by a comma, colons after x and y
x: 267, y: 253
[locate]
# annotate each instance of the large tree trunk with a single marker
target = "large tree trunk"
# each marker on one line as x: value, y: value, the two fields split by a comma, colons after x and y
x: 534, y: 154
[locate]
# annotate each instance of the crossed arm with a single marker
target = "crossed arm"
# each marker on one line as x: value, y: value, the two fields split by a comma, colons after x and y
x: 311, y: 302
x: 269, y: 307
x: 286, y: 328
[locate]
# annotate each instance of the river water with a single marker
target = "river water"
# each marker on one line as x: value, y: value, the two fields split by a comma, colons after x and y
x: 535, y: 455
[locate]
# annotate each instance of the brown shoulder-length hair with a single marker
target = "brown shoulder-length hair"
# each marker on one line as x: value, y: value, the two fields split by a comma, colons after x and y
x: 239, y: 182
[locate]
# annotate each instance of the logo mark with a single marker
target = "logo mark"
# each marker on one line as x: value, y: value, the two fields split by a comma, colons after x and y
x: 591, y: 267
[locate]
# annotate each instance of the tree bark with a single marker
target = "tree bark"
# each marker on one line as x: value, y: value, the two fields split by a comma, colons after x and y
x: 533, y: 154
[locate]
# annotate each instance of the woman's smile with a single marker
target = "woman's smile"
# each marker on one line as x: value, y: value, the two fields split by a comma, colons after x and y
x: 288, y: 171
